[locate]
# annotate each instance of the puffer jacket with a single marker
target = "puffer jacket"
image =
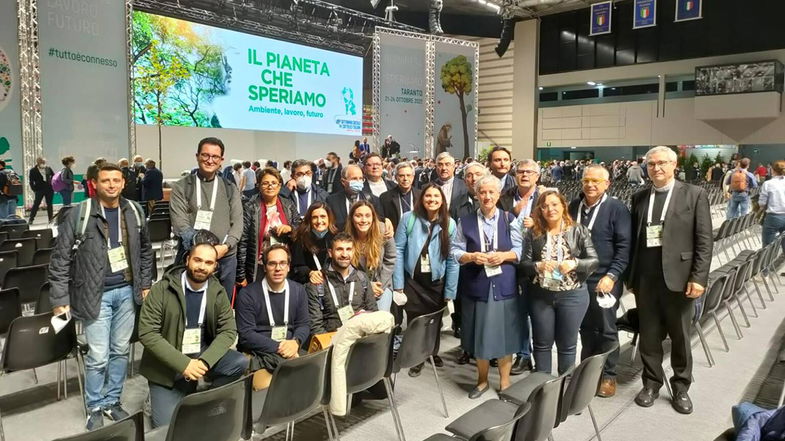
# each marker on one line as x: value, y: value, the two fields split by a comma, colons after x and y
x: 76, y: 277
x: 247, y: 248
x: 578, y: 239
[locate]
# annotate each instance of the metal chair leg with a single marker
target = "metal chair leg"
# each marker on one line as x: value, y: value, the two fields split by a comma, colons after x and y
x: 766, y: 285
x: 743, y: 311
x: 719, y: 329
x: 79, y: 370
x: 35, y: 376
x: 327, y: 424
x: 439, y: 386
x: 59, y: 377
x: 65, y: 378
x: 594, y: 422
x: 394, y: 410
x: 131, y: 356
x: 634, y: 348
x: 749, y: 299
x: 704, y: 343
x: 760, y: 295
x: 668, y: 386
x: 735, y: 324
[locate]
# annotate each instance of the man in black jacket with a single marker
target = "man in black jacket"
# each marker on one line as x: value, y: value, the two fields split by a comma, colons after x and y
x: 101, y: 267
x: 41, y: 184
x: 152, y: 185
x: 331, y: 182
x: 402, y: 198
x: 670, y: 262
x: 609, y: 222
x: 306, y: 192
x: 340, y: 202
x: 454, y: 188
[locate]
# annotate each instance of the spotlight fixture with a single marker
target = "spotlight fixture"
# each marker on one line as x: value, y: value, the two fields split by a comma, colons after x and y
x: 434, y: 17
x: 591, y: 83
x: 389, y: 12
x: 374, y: 3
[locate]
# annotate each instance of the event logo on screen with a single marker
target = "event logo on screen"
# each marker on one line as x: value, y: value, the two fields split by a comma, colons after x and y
x: 189, y: 74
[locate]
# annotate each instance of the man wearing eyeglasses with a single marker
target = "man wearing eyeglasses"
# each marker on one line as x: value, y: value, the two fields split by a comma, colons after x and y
x: 609, y: 222
x: 272, y: 316
x: 670, y: 262
x: 206, y: 201
x: 306, y: 191
x: 374, y: 182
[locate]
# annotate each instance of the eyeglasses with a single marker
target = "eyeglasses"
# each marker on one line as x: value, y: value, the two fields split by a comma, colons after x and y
x: 526, y: 172
x: 281, y: 265
x: 207, y: 157
x: 299, y: 175
x: 270, y: 184
x: 660, y: 164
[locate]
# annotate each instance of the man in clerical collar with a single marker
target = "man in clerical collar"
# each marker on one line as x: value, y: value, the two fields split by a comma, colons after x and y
x: 345, y: 292
x: 401, y: 199
x: 272, y: 316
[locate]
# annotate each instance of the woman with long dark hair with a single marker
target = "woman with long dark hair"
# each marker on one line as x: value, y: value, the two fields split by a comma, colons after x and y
x: 311, y: 240
x: 424, y: 268
x: 559, y: 257
x: 373, y: 254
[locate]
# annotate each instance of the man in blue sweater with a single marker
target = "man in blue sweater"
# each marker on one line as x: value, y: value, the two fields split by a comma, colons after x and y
x: 609, y: 222
x: 272, y: 316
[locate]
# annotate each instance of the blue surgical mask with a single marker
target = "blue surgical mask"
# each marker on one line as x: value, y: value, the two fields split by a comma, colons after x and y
x: 356, y: 187
x: 319, y: 234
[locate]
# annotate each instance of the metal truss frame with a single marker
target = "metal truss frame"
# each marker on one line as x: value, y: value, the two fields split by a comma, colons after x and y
x: 430, y: 81
x: 129, y: 32
x: 30, y: 88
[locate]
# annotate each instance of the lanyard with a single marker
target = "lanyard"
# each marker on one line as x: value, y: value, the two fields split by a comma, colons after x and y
x: 664, y: 207
x: 316, y: 261
x: 309, y: 199
x: 411, y: 202
x: 119, y: 226
x: 203, y: 306
x: 199, y: 193
x: 594, y: 215
x: 480, y: 221
x: 265, y: 289
x: 335, y: 297
x: 559, y: 249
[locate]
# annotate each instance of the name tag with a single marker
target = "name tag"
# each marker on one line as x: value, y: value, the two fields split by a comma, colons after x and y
x: 425, y: 264
x: 192, y: 341
x: 278, y: 333
x: 653, y: 236
x: 117, y: 260
x: 203, y: 220
x: 491, y: 271
x: 345, y: 313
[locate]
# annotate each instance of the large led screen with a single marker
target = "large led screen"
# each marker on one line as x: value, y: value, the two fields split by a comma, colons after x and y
x: 187, y: 74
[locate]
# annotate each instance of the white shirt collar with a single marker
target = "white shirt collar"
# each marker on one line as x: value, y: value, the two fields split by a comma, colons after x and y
x: 264, y: 281
x: 665, y: 187
x: 187, y: 284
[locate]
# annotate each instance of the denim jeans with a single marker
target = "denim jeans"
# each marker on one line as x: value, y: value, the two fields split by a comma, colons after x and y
x: 738, y: 205
x: 773, y: 224
x: 108, y: 338
x: 229, y: 368
x: 556, y: 318
x: 66, y: 195
x: 227, y: 273
x: 526, y: 353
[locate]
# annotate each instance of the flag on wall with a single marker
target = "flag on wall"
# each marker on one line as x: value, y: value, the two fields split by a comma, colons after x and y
x: 688, y: 10
x: 600, y: 16
x: 644, y: 14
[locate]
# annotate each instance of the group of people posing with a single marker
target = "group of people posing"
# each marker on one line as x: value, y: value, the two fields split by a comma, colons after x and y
x: 524, y: 268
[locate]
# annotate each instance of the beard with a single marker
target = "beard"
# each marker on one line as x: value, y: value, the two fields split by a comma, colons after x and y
x: 197, y: 277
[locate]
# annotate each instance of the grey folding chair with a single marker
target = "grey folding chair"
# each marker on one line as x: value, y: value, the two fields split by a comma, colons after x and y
x: 499, y: 432
x: 128, y: 429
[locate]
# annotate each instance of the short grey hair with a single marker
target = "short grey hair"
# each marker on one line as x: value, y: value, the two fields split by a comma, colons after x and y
x: 598, y: 167
x: 475, y: 164
x: 528, y: 162
x: 445, y: 155
x: 345, y: 170
x: 401, y: 165
x: 486, y: 180
x: 662, y: 149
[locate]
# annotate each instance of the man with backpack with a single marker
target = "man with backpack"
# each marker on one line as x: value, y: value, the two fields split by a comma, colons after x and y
x: 41, y: 184
x: 101, y: 270
x: 740, y: 182
x: 10, y: 188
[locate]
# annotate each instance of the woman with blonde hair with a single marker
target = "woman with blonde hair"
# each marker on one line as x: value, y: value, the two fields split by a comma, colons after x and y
x: 373, y: 254
x: 559, y: 256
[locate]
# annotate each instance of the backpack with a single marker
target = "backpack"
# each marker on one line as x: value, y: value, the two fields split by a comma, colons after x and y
x: 13, y: 186
x: 57, y: 182
x: 84, y: 217
x: 738, y: 180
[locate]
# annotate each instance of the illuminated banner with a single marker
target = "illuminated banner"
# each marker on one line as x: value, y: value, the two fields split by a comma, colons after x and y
x: 689, y: 10
x: 600, y: 17
x: 189, y: 74
x: 644, y: 14
x: 454, y: 115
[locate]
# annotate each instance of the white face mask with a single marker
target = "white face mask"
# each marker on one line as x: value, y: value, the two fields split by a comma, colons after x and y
x: 304, y: 182
x: 328, y: 163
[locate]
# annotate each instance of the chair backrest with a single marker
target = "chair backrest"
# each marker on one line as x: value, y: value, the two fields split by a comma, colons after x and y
x: 28, y: 279
x: 15, y: 230
x: 730, y: 285
x: 367, y: 361
x: 222, y: 413
x: 502, y: 432
x: 25, y: 249
x: 44, y: 304
x: 419, y: 340
x: 32, y: 343
x: 742, y: 274
x: 8, y: 260
x: 583, y: 384
x: 539, y: 421
x: 42, y: 256
x: 10, y: 308
x: 129, y: 429
x: 714, y: 291
x: 723, y: 230
x: 296, y: 389
x: 159, y: 229
x: 43, y: 237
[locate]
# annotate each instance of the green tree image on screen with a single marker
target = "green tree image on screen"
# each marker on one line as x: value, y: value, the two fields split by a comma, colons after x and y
x: 177, y: 73
x: 457, y: 79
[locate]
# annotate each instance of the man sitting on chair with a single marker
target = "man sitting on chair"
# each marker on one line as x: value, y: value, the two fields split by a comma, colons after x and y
x: 186, y: 327
x: 272, y: 316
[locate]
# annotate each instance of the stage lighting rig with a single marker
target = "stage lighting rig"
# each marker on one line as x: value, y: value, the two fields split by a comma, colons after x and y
x: 389, y: 12
x: 434, y: 17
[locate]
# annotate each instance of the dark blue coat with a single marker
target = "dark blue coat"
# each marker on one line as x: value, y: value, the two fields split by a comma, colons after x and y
x: 153, y: 185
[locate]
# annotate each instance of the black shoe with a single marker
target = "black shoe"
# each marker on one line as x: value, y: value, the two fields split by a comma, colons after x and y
x: 437, y: 361
x: 415, y: 371
x: 115, y: 412
x: 521, y: 365
x: 95, y: 419
x: 463, y: 359
x: 646, y: 397
x: 477, y: 392
x: 494, y: 362
x: 456, y: 332
x: 682, y: 403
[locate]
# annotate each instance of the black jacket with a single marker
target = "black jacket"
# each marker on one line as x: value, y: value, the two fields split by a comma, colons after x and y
x: 302, y: 259
x: 153, y: 185
x: 335, y: 179
x: 322, y: 309
x: 337, y: 203
x: 578, y: 239
x: 686, y: 237
x: 247, y: 248
x: 77, y: 278
x: 459, y: 196
x: 611, y: 236
x: 390, y: 201
x: 507, y: 200
x: 131, y: 189
x: 319, y: 194
x: 41, y: 182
